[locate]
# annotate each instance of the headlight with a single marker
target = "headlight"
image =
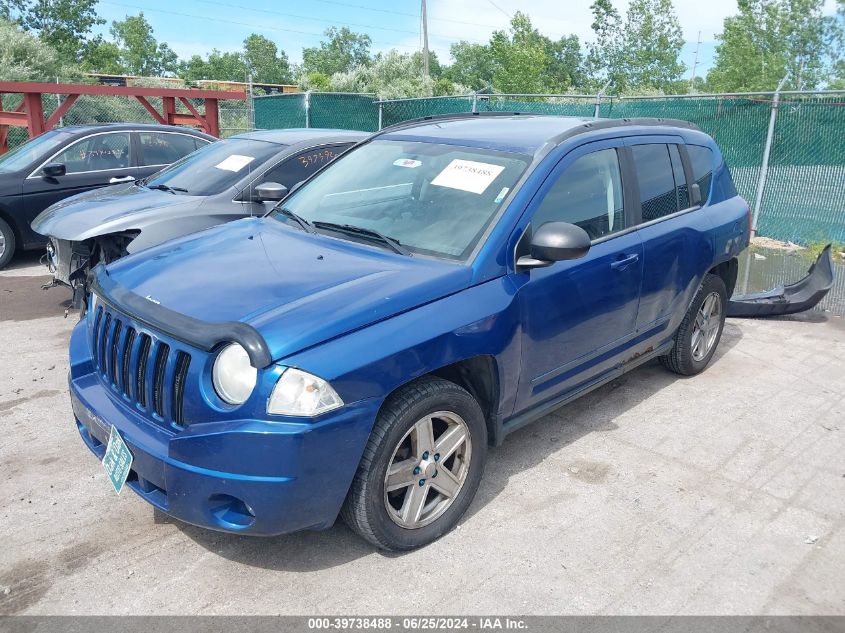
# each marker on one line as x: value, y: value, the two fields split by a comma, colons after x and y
x: 232, y: 375
x: 300, y: 393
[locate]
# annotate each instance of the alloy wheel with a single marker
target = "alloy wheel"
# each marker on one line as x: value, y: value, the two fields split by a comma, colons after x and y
x: 427, y: 469
x: 706, y: 327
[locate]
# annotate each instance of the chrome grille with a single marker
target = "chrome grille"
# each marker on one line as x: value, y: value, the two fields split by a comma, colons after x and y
x: 140, y: 367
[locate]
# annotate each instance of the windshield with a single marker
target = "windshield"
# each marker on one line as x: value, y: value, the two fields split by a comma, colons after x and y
x: 215, y: 167
x: 39, y: 148
x: 431, y: 198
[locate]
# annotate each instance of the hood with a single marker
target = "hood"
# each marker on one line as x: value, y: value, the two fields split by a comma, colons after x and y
x: 297, y: 289
x: 108, y: 210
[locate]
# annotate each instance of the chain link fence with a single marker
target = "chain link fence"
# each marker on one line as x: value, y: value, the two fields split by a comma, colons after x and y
x: 801, y: 189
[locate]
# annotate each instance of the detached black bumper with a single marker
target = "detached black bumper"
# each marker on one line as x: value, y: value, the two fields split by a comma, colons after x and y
x: 797, y: 297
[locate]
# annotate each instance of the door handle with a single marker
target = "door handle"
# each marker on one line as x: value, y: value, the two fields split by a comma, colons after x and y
x: 622, y: 264
x: 115, y: 181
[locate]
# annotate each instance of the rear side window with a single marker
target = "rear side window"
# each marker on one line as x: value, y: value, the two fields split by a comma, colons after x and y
x: 681, y: 191
x: 588, y: 194
x: 701, y: 159
x: 163, y: 149
x: 657, y: 183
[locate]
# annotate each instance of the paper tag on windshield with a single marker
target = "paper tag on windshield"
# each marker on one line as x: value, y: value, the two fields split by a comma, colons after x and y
x: 407, y: 162
x: 468, y: 175
x: 235, y: 162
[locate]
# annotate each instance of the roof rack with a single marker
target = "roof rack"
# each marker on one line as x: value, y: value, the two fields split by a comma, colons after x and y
x: 451, y: 117
x: 587, y: 126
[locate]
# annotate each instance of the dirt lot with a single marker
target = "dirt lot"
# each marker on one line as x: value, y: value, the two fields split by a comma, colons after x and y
x: 719, y: 494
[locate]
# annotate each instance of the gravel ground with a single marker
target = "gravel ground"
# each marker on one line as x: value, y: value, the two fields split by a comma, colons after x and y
x: 723, y: 494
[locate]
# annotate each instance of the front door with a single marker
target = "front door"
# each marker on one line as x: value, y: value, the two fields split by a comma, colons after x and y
x: 580, y: 316
x: 92, y: 162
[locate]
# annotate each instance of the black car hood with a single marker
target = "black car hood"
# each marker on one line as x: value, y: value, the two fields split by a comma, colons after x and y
x: 109, y: 210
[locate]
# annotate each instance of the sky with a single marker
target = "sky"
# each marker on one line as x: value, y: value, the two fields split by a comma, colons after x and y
x: 196, y: 26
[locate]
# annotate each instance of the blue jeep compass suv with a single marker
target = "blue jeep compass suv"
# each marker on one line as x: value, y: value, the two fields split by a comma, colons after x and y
x: 444, y: 282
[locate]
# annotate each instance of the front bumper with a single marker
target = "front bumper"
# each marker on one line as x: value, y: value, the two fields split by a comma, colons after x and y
x: 261, y: 477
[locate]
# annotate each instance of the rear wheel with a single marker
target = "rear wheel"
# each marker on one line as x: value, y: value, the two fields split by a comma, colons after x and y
x: 7, y: 243
x: 700, y: 331
x: 421, y: 467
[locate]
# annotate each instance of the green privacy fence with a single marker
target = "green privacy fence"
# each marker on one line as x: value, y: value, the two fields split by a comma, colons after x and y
x: 804, y: 187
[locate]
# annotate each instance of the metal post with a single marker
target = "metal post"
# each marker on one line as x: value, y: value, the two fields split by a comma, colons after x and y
x: 59, y: 105
x: 597, y: 111
x: 764, y: 167
x: 307, y: 108
x: 380, y: 114
x: 250, y: 104
x: 475, y: 102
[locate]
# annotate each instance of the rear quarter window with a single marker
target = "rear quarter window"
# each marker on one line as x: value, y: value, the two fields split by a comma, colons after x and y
x: 701, y: 160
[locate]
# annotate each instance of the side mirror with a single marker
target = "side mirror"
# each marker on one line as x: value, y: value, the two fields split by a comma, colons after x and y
x: 694, y: 194
x: 554, y: 242
x: 270, y: 192
x: 54, y: 170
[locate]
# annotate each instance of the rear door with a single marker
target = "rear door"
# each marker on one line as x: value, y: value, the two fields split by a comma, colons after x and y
x: 90, y: 162
x: 675, y: 233
x: 579, y: 316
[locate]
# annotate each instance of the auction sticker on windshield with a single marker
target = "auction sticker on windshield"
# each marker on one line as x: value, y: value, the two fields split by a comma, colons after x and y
x: 468, y: 175
x: 117, y: 461
x: 235, y: 162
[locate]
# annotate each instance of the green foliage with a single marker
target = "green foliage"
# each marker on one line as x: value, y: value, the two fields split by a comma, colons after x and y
x: 222, y: 66
x: 604, y: 63
x: 140, y: 52
x: 472, y: 66
x: 24, y: 57
x: 315, y: 81
x: 344, y: 51
x: 652, y: 45
x: 62, y: 24
x: 770, y: 39
x: 265, y: 62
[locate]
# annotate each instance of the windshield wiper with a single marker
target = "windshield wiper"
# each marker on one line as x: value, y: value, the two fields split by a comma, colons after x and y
x: 360, y: 230
x: 305, y: 224
x: 167, y: 188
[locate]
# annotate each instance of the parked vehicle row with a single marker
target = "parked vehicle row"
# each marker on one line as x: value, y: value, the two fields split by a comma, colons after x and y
x: 228, y: 180
x: 355, y: 350
x: 65, y: 162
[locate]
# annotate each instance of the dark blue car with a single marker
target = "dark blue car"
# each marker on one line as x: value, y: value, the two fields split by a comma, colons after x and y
x: 442, y: 284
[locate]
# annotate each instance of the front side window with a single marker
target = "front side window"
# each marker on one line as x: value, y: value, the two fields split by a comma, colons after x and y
x: 588, y: 194
x: 96, y: 153
x: 657, y: 184
x: 37, y: 149
x: 701, y: 160
x: 215, y: 167
x: 432, y: 198
x: 162, y: 149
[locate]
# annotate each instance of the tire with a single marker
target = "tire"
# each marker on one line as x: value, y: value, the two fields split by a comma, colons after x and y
x: 7, y: 243
x: 378, y: 515
x: 690, y: 354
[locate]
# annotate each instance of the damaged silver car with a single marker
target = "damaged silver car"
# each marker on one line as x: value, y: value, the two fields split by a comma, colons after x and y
x: 224, y: 181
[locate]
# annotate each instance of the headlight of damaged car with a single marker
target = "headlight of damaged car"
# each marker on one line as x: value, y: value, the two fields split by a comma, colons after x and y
x: 299, y: 393
x: 232, y: 375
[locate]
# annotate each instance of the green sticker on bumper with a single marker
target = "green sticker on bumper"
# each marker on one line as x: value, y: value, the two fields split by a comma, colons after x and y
x: 117, y: 461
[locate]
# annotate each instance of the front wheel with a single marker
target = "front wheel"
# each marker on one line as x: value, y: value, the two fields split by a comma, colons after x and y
x: 700, y: 331
x: 421, y: 467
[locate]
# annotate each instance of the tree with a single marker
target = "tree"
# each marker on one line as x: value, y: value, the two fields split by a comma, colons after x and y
x: 604, y: 64
x: 264, y: 61
x: 564, y: 68
x: 472, y: 66
x: 344, y: 50
x: 222, y: 66
x: 651, y: 45
x: 100, y: 56
x: 62, y: 24
x: 770, y: 39
x: 25, y: 57
x: 519, y: 57
x: 140, y: 53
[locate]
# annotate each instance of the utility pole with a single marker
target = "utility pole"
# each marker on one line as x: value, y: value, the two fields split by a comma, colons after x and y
x: 425, y: 41
x: 695, y: 63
